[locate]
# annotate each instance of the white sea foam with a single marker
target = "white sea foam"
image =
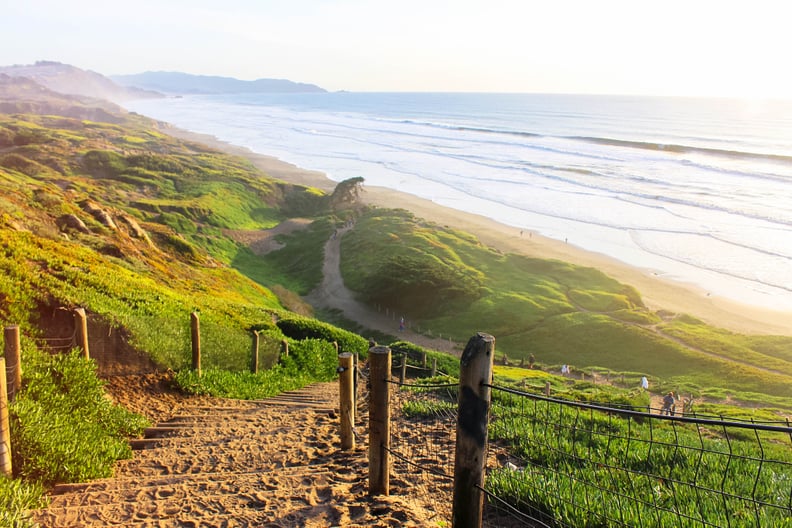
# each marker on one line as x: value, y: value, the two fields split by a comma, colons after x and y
x: 696, y: 190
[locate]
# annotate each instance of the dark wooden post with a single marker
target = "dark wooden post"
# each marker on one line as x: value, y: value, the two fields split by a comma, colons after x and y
x: 379, y: 420
x: 195, y: 331
x: 13, y: 361
x: 81, y: 324
x: 346, y: 384
x: 434, y: 367
x: 254, y: 365
x: 471, y: 444
x: 5, y: 431
x: 403, y: 372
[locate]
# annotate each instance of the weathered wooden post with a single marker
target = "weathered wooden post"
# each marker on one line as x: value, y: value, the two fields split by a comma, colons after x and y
x: 379, y: 420
x: 13, y: 361
x: 423, y: 359
x: 547, y: 389
x: 471, y: 443
x: 284, y: 348
x: 434, y: 367
x: 81, y: 327
x: 346, y: 384
x: 335, y: 344
x: 195, y: 331
x: 5, y: 430
x: 355, y: 376
x: 403, y: 372
x: 254, y: 364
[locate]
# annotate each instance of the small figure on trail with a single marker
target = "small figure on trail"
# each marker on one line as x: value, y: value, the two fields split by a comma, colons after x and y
x: 564, y: 369
x: 401, y: 324
x: 644, y: 383
x: 531, y: 361
x: 669, y: 404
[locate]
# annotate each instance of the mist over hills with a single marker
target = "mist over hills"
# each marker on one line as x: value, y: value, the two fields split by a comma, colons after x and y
x: 185, y: 83
x: 70, y: 80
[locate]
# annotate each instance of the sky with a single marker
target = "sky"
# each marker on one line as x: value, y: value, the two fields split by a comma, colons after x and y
x: 669, y: 47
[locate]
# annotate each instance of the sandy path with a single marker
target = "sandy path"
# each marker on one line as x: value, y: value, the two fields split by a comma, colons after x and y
x: 332, y: 293
x: 271, y: 463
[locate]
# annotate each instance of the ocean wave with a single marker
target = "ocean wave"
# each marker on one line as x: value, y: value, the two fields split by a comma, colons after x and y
x: 683, y: 149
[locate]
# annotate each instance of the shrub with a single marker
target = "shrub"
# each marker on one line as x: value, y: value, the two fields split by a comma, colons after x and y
x: 299, y: 328
x: 63, y: 427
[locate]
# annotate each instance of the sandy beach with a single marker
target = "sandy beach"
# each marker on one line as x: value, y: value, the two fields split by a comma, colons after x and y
x: 657, y: 292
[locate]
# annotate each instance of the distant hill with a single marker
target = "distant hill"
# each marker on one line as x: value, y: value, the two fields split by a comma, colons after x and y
x: 22, y: 95
x: 185, y: 83
x: 67, y: 79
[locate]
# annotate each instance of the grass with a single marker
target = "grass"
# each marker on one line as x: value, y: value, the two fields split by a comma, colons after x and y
x: 63, y: 429
x: 586, y: 468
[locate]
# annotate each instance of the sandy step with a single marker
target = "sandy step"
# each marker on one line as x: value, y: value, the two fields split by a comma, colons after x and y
x: 194, y: 500
x: 174, y: 487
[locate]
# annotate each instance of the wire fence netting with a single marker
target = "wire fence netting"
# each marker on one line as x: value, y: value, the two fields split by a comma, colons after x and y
x: 566, y: 464
x: 573, y: 464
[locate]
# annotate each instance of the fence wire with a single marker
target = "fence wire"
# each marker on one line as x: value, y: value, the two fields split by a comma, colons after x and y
x: 423, y: 436
x: 572, y: 465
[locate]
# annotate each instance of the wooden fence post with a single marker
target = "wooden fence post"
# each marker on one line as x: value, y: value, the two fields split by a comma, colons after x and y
x: 471, y: 444
x: 284, y: 348
x: 403, y: 372
x: 195, y: 331
x: 254, y: 366
x: 346, y: 381
x: 13, y: 365
x: 356, y: 368
x: 379, y: 420
x: 547, y: 389
x: 5, y: 431
x: 434, y: 367
x: 423, y: 359
x: 81, y: 324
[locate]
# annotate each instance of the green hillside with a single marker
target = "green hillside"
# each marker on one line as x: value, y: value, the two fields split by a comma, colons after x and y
x: 447, y: 283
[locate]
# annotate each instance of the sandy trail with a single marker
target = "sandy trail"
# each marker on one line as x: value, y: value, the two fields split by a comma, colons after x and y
x: 332, y: 293
x: 214, y: 462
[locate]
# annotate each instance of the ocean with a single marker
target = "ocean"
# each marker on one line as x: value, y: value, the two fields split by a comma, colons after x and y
x: 694, y: 190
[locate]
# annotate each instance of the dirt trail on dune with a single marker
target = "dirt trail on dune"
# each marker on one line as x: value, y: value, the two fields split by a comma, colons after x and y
x: 332, y: 293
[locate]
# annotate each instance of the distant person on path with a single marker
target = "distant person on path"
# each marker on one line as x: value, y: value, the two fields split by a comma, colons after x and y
x: 564, y: 369
x: 644, y: 383
x: 669, y: 403
x: 401, y: 324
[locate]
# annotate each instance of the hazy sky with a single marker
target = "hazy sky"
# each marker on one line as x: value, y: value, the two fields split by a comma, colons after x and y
x: 669, y: 47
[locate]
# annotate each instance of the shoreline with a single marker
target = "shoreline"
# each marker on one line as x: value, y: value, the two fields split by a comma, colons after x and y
x: 656, y: 292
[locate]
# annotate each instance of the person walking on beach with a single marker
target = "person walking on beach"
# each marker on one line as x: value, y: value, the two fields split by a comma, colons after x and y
x: 669, y: 403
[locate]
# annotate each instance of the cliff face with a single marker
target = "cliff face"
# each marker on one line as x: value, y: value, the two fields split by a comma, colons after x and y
x: 70, y: 80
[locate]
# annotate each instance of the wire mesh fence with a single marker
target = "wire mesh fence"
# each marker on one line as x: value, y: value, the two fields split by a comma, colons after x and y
x: 573, y: 465
x: 562, y: 464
